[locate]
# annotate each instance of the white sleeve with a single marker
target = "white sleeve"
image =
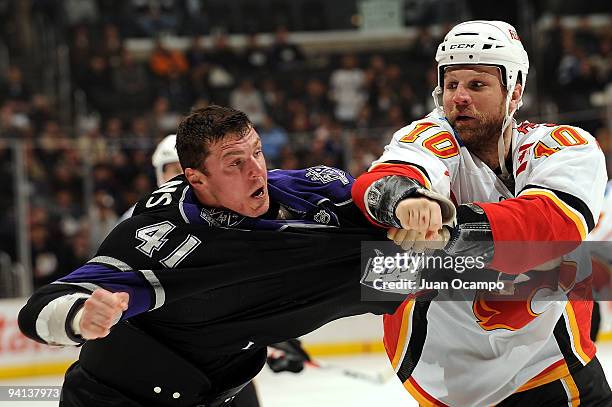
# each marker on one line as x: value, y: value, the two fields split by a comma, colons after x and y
x: 52, y: 323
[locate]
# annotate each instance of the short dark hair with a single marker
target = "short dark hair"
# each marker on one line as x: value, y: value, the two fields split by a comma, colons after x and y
x: 205, y: 126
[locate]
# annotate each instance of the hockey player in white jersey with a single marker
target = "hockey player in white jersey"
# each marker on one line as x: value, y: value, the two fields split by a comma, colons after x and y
x: 509, y: 182
x: 165, y: 160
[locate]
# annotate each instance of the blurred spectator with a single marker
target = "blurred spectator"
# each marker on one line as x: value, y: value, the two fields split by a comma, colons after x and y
x: 154, y: 17
x: 132, y: 85
x: 395, y: 117
x: 80, y: 249
x: 602, y: 62
x: 285, y: 55
x: 289, y: 160
x: 412, y: 108
x: 275, y: 100
x: 80, y: 12
x: 13, y: 88
x: 81, y: 51
x: 551, y: 55
x: 177, y: 89
x: 249, y: 100
x: 103, y: 217
x: 320, y: 153
x: 40, y: 112
x: 298, y: 116
x: 316, y: 100
x: 96, y: 147
x: 199, y: 65
x: 113, y: 142
x: 223, y: 63
x: 98, y: 86
x: 46, y: 254
x: 65, y: 212
x: 164, y: 61
x: 273, y: 140
x: 162, y: 120
x: 375, y: 73
x: 255, y: 59
x: 425, y: 45
x: 586, y: 38
x: 197, y: 20
x: 111, y: 46
x: 139, y: 137
x: 12, y: 122
x: 348, y: 90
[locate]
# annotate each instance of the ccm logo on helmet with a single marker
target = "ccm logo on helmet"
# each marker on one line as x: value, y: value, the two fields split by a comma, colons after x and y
x: 460, y: 46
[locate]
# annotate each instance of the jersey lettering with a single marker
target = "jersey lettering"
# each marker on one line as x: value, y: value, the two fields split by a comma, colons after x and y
x: 181, y: 252
x: 567, y: 136
x: 153, y: 237
x: 166, y: 190
x: 418, y: 129
x: 441, y: 144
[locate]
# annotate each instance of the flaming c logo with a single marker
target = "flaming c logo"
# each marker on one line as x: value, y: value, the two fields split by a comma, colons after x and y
x: 514, y: 311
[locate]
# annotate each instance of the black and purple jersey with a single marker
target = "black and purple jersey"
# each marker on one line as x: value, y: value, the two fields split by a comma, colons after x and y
x: 212, y: 284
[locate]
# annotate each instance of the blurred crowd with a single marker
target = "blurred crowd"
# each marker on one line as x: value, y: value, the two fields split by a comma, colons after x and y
x: 337, y: 110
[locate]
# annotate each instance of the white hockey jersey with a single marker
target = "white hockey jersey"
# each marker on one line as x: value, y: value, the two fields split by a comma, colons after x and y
x: 477, y: 352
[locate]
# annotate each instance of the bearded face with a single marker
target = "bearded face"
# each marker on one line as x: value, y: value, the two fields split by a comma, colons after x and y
x: 473, y: 102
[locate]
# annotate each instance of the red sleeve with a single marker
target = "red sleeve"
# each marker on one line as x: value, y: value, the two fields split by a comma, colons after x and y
x: 363, y: 182
x: 531, y: 230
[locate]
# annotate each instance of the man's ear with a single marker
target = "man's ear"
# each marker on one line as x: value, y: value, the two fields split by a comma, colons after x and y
x: 516, y: 96
x: 195, y: 177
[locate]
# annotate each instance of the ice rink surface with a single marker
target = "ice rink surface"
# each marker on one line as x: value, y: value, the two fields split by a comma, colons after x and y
x: 320, y: 387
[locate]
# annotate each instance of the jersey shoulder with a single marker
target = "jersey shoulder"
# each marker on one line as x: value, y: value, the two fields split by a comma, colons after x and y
x: 536, y: 142
x: 432, y: 134
x: 172, y: 201
x: 547, y: 138
x: 312, y: 184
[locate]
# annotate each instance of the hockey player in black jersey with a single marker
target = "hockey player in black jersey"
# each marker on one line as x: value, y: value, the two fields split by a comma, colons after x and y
x: 183, y: 298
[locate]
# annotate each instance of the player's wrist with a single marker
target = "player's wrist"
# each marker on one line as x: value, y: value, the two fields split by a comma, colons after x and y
x: 385, y: 194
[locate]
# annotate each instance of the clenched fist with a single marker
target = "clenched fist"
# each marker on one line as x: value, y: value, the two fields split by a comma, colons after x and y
x: 421, y: 220
x: 421, y: 215
x: 101, y: 311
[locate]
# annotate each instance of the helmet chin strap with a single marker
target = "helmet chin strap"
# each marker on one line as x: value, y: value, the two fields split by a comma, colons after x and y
x: 501, y: 143
x: 437, y: 92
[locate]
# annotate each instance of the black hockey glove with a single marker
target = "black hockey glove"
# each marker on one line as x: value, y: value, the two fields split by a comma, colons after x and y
x: 472, y: 235
x: 288, y: 356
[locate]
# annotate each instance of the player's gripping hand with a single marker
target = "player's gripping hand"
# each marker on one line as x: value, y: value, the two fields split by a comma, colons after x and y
x: 100, y: 312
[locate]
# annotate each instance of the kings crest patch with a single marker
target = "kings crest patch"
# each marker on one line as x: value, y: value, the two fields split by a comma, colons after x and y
x: 220, y: 217
x: 322, y: 217
x: 325, y: 175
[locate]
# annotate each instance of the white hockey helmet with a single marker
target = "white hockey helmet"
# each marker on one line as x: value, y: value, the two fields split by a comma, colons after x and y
x: 165, y: 153
x: 481, y: 42
x: 493, y: 43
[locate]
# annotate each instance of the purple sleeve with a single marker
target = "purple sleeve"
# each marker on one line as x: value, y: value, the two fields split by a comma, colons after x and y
x: 92, y: 276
